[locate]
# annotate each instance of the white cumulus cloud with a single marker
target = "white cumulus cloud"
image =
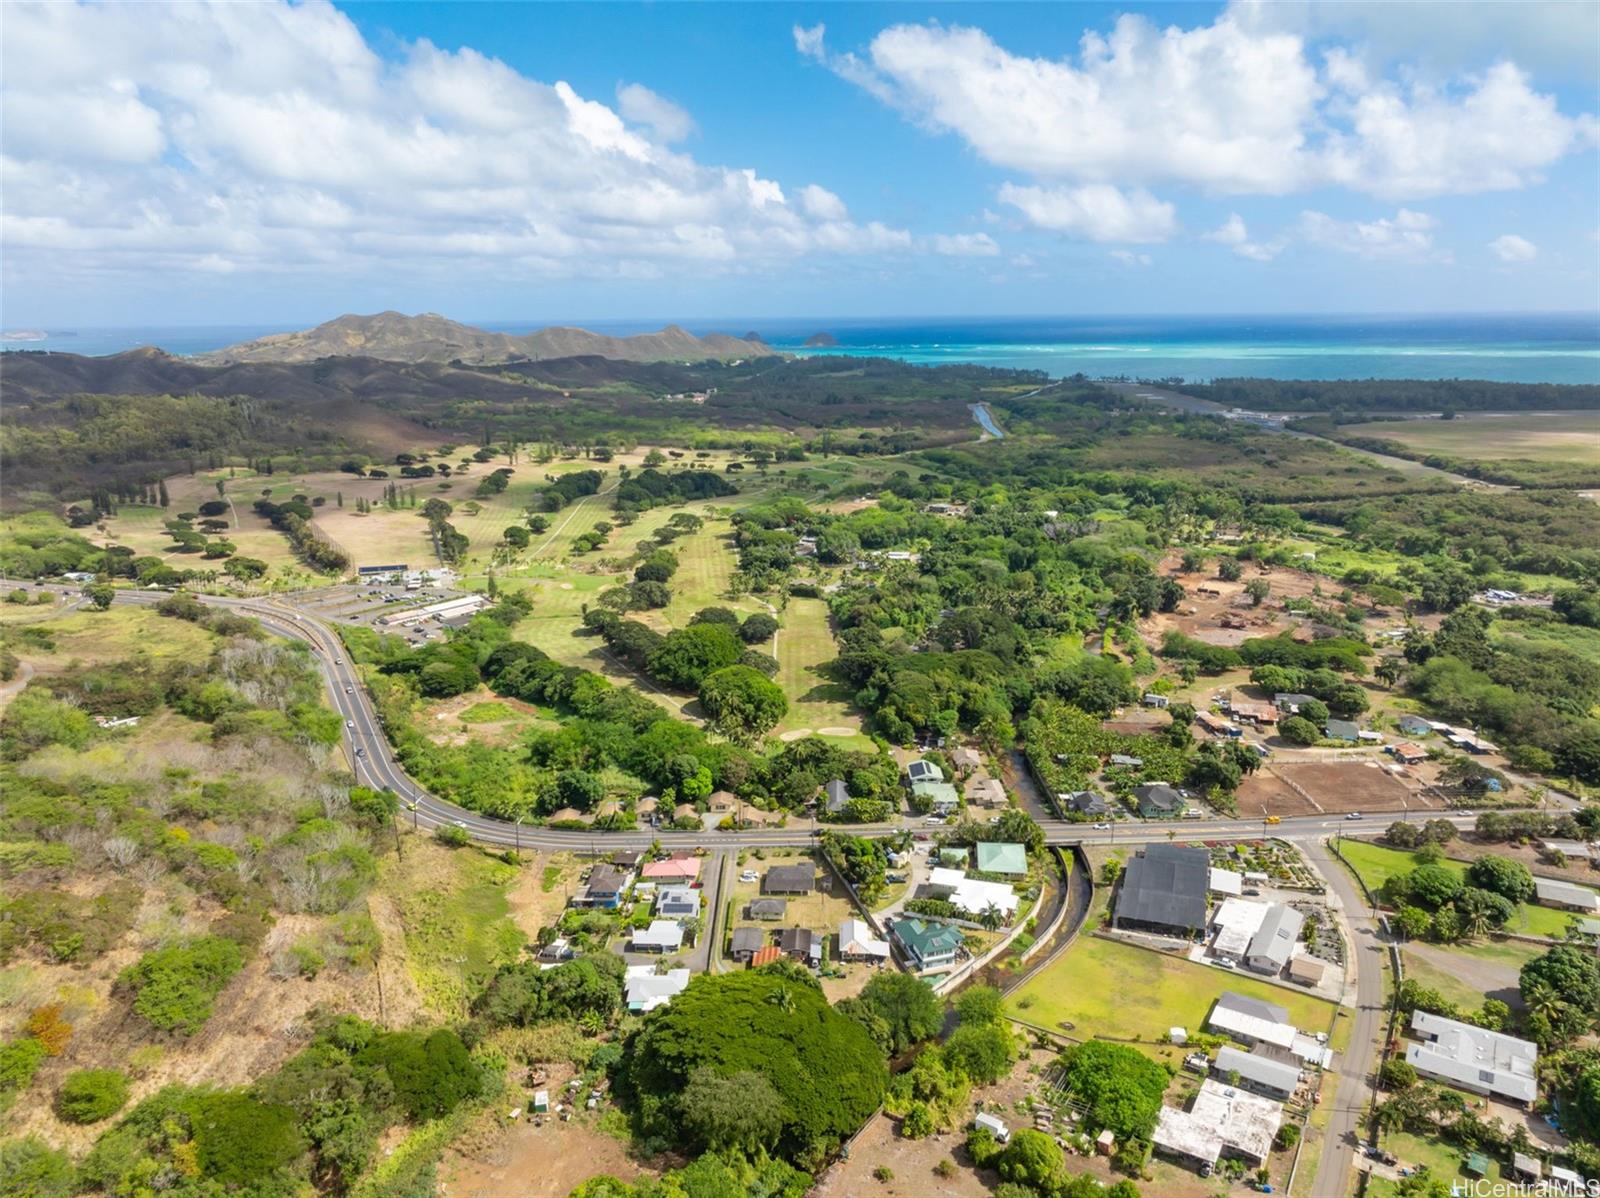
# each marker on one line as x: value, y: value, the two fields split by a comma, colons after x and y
x: 965, y: 245
x: 1509, y: 247
x: 1235, y: 234
x: 271, y: 137
x: 1407, y: 236
x: 1234, y: 107
x: 660, y: 115
x: 1096, y: 212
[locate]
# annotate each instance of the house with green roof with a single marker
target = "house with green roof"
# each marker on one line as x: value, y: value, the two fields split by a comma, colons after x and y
x: 941, y: 797
x: 1008, y: 859
x: 926, y: 945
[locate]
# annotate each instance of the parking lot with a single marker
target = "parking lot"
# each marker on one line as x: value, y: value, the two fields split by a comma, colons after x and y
x: 379, y: 606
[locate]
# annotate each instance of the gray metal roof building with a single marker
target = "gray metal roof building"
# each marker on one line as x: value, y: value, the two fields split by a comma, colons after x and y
x: 1165, y: 887
x: 1258, y: 1073
x: 1274, y: 941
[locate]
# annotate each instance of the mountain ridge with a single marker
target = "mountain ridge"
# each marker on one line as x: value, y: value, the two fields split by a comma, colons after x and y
x: 429, y: 337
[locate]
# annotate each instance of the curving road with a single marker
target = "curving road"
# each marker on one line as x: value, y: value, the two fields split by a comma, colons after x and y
x: 372, y: 762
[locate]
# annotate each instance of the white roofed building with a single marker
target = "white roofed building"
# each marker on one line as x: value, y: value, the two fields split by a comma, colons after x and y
x: 974, y: 896
x: 1222, y: 1121
x: 1234, y: 925
x: 647, y: 989
x: 1473, y: 1058
x: 1226, y: 882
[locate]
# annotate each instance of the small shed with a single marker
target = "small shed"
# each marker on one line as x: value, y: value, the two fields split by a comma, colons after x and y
x: 1178, y: 1035
x: 541, y: 1102
x: 1477, y: 1164
x: 994, y: 1123
x: 1105, y: 1143
x: 1527, y: 1166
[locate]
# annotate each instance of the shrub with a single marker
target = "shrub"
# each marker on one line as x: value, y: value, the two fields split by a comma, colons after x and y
x: 90, y: 1095
x: 19, y: 1061
x: 30, y: 1168
x: 452, y: 836
x: 174, y: 987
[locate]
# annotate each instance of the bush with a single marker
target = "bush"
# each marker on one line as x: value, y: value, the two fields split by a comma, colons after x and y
x: 452, y: 836
x: 1397, y: 1074
x: 1299, y: 731
x: 90, y: 1095
x: 174, y: 987
x: 19, y: 1061
x: 30, y: 1168
x: 431, y: 1074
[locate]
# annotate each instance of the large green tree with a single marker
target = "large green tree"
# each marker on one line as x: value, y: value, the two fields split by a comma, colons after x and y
x: 743, y: 704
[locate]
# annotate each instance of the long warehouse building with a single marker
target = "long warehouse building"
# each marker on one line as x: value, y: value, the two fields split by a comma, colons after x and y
x: 446, y: 609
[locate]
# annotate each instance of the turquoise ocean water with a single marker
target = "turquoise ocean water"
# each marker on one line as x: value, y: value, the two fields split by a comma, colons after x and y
x: 1520, y: 348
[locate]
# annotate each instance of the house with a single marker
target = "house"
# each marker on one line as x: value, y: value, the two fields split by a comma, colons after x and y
x: 769, y: 908
x: 1256, y: 1073
x: 1407, y: 753
x: 924, y: 944
x: 996, y: 1126
x: 1164, y: 889
x: 790, y: 879
x: 746, y: 942
x: 1225, y: 882
x: 857, y: 943
x: 1463, y: 738
x: 1151, y: 699
x: 605, y: 887
x: 1215, y: 724
x: 1251, y: 1021
x: 1008, y: 859
x: 940, y: 797
x: 1341, y: 730
x: 985, y: 792
x: 1552, y: 893
x: 972, y: 896
x: 684, y: 812
x: 1085, y: 802
x: 565, y: 815
x: 1572, y: 850
x: 1131, y: 762
x: 1473, y: 1058
x: 1414, y: 725
x: 674, y: 870
x: 1289, y: 702
x: 1257, y: 713
x: 1234, y: 925
x: 1222, y: 1121
x: 834, y: 796
x: 645, y: 808
x: 647, y: 989
x: 1527, y: 1168
x: 1274, y: 941
x: 966, y: 759
x: 923, y: 771
x: 767, y: 954
x: 1157, y: 800
x: 557, y: 950
x: 677, y: 902
x: 662, y: 936
x: 1307, y: 970
x: 627, y: 858
x: 608, y: 810
x: 801, y: 944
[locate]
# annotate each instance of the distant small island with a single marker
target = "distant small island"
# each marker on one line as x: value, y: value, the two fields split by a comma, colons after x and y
x: 821, y: 341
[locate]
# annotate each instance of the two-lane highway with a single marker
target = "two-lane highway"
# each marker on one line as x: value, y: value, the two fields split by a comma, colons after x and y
x: 374, y: 765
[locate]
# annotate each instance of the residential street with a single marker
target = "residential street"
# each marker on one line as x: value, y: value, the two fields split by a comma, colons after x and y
x: 1356, y: 1069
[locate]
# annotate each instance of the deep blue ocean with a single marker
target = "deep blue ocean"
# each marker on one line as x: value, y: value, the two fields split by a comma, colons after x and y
x: 1513, y: 348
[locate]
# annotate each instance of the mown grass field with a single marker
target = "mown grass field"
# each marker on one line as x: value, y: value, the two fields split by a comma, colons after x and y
x: 1106, y: 987
x: 1444, y: 1161
x: 1535, y: 436
x: 805, y: 642
x: 1512, y: 955
x: 1377, y: 864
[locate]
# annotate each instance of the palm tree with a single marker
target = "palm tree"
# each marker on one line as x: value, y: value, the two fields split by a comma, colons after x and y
x: 1475, y: 923
x: 1543, y: 999
x: 592, y: 1023
x: 991, y: 918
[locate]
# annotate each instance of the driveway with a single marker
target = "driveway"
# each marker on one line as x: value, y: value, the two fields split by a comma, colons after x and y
x: 1357, y: 1069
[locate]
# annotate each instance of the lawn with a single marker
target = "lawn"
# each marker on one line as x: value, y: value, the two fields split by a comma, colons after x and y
x: 805, y: 642
x: 1376, y: 865
x: 1444, y: 1161
x: 1466, y: 991
x: 1106, y: 987
x: 117, y: 633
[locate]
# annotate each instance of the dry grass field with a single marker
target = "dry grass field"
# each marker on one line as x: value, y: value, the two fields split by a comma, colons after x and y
x: 1536, y: 436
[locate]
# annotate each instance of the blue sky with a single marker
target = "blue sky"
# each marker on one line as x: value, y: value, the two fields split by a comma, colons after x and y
x: 284, y: 163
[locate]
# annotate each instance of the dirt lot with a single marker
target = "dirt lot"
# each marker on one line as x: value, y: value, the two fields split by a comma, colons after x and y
x: 1338, y: 787
x: 1264, y: 793
x: 1576, y: 869
x: 531, y: 1161
x: 1200, y: 615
